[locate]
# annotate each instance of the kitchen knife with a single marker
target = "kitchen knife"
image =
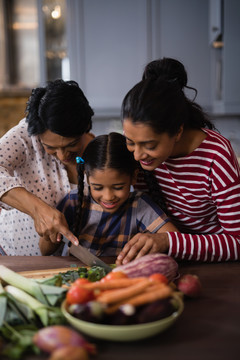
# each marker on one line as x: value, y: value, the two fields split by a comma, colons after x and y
x: 85, y: 255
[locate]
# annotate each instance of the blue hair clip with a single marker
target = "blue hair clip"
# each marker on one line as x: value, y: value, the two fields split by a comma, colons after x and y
x: 79, y: 160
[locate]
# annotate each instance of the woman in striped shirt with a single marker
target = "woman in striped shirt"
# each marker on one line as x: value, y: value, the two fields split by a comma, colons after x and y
x: 187, y: 165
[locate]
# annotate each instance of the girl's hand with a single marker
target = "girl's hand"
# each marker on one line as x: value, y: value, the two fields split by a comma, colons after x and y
x: 142, y: 244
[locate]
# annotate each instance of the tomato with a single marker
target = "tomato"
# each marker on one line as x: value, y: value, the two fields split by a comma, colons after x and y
x: 81, y: 281
x: 79, y: 295
x: 114, y: 275
x: 159, y: 278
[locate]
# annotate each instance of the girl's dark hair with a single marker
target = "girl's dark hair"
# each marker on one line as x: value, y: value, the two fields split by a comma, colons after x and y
x: 159, y: 101
x: 103, y: 152
x: 60, y: 107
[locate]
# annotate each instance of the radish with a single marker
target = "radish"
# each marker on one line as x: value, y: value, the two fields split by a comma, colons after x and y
x: 190, y: 285
x: 54, y: 337
x: 69, y: 353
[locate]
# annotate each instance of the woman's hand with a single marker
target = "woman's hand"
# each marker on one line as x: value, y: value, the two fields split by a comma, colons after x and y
x: 47, y: 247
x: 142, y: 244
x: 51, y: 223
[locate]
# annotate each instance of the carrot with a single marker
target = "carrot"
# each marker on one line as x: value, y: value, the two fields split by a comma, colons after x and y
x: 144, y: 298
x: 113, y: 284
x: 147, y: 297
x: 155, y: 286
x: 152, y: 286
x: 114, y: 296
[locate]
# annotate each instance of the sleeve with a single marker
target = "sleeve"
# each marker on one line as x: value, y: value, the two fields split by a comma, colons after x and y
x: 204, y: 248
x: 225, y: 244
x: 14, y: 150
x: 149, y: 216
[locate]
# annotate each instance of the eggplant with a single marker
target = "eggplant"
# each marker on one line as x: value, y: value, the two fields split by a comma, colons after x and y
x: 155, y: 311
x: 76, y: 310
x: 150, y: 264
x: 92, y: 311
x: 125, y: 315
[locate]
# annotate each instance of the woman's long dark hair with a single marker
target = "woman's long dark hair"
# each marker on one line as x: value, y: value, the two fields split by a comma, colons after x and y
x: 159, y: 101
x: 103, y: 152
x: 60, y: 107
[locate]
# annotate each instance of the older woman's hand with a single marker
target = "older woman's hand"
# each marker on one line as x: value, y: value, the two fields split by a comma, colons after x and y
x: 142, y: 244
x: 51, y: 223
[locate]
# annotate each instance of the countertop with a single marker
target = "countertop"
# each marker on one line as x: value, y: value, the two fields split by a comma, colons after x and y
x: 208, y: 329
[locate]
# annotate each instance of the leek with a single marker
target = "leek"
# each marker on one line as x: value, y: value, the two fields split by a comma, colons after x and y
x: 26, y: 306
x: 12, y: 311
x: 15, y: 279
x: 46, y: 294
x: 3, y: 307
x: 47, y: 315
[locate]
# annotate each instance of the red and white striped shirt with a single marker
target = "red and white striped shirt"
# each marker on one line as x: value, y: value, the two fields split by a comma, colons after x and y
x: 202, y: 194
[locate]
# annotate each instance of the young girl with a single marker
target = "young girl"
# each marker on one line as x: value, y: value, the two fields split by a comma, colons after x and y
x: 186, y: 164
x: 107, y: 214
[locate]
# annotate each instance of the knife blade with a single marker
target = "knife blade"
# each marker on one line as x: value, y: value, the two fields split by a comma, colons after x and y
x: 86, y: 256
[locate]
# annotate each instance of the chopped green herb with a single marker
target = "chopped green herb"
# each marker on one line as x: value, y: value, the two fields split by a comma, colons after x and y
x: 95, y: 273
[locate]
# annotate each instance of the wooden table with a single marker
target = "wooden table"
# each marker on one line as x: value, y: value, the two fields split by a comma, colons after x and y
x: 208, y: 329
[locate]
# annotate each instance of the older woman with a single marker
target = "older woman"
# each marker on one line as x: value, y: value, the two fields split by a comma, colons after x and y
x: 37, y: 166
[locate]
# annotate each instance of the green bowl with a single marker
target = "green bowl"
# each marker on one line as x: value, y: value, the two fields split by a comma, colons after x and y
x: 123, y: 332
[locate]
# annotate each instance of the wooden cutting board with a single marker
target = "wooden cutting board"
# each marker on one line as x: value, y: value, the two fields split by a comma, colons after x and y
x: 47, y: 273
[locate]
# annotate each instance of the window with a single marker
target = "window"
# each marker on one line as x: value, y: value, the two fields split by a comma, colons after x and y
x: 54, y: 21
x: 19, y: 44
x: 32, y: 52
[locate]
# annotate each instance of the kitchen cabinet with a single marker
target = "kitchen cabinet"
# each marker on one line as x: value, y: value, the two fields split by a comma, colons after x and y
x: 112, y: 41
x: 104, y: 46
